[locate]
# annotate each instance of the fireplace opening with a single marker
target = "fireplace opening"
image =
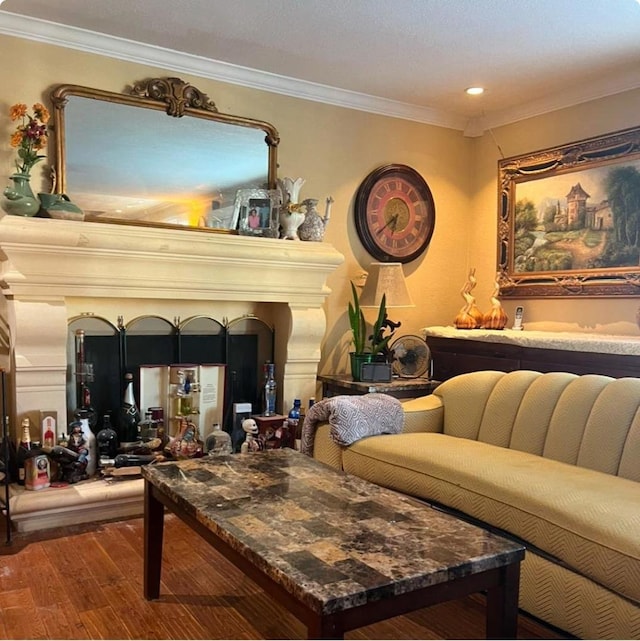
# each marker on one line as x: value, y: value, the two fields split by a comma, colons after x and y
x: 242, y: 345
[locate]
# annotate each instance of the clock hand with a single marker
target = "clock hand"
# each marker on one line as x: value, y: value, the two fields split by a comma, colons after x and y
x: 394, y: 220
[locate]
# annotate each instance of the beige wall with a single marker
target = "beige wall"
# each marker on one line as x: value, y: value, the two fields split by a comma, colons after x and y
x: 600, y: 315
x: 334, y: 149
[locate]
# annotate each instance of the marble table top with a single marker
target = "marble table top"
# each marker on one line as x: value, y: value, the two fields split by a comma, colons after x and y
x: 572, y: 341
x: 332, y: 540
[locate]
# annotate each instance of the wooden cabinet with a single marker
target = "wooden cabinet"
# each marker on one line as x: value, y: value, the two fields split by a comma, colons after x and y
x: 453, y: 356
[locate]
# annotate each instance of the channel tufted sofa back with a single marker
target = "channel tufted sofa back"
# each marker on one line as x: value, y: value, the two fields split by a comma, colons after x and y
x: 590, y: 421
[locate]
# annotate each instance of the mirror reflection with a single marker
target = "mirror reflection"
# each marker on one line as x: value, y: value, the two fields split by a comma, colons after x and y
x: 123, y: 158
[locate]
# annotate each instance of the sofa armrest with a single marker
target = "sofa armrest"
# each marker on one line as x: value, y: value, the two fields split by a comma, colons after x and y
x: 424, y: 414
x: 325, y: 449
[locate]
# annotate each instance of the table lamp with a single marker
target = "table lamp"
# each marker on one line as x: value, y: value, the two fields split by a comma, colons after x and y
x: 386, y: 278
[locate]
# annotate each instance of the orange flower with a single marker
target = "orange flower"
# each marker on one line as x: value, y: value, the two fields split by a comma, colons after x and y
x: 18, y: 111
x: 30, y: 135
x: 41, y: 112
x: 16, y: 139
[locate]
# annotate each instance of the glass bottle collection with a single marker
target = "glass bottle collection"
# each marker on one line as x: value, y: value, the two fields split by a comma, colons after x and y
x: 134, y: 440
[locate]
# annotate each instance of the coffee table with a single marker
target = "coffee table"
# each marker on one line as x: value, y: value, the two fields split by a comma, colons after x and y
x: 337, y: 551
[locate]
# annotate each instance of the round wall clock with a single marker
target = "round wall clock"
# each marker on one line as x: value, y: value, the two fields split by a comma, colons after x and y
x: 395, y: 214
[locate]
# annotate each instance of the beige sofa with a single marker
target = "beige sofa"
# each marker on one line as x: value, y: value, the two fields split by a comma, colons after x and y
x: 552, y: 459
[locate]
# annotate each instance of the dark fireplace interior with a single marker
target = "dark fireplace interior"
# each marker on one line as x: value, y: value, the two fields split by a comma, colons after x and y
x: 243, y: 345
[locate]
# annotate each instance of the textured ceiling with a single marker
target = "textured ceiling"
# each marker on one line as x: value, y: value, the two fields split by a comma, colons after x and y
x: 531, y: 55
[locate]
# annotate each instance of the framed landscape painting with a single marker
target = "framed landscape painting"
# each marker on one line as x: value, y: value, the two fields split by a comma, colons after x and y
x: 569, y: 219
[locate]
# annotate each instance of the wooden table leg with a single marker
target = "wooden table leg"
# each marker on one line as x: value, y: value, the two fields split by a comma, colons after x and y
x: 325, y: 627
x: 153, y: 536
x: 502, y: 605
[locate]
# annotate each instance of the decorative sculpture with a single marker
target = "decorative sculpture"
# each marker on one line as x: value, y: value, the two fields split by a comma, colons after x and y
x: 496, y: 317
x: 469, y: 317
x: 251, y: 443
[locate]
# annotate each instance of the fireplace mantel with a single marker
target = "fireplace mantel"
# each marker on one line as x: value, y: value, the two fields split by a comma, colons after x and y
x: 53, y: 270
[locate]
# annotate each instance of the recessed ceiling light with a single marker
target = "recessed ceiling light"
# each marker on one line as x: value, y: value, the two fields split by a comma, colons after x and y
x: 474, y: 91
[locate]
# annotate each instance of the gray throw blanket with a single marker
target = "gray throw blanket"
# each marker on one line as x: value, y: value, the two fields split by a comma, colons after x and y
x: 352, y: 418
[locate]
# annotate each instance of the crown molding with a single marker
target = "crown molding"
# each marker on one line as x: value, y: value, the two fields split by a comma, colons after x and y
x: 123, y: 49
x: 606, y: 86
x: 12, y: 24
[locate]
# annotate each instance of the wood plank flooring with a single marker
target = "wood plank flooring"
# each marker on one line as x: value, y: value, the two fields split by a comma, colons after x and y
x: 85, y: 582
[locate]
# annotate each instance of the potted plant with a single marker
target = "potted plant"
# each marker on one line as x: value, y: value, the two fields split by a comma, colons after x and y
x: 367, y: 348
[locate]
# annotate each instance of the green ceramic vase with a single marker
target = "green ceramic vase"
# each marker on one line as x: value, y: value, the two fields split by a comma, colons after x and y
x: 19, y: 200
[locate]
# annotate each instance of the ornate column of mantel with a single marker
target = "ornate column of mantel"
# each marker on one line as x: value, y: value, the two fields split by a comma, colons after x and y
x: 49, y: 265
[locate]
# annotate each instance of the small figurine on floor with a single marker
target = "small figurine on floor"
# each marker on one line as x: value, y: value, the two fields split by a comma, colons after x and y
x: 251, y: 442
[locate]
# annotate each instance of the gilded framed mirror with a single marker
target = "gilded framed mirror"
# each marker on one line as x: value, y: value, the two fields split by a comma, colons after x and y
x: 159, y: 155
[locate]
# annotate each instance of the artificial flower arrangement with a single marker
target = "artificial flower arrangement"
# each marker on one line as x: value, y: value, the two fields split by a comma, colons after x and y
x: 30, y: 135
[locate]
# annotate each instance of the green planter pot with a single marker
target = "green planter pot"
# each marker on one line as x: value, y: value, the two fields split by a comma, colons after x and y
x: 19, y: 200
x: 357, y: 361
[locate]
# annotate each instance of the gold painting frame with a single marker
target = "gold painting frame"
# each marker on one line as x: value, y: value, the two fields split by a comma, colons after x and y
x: 569, y: 220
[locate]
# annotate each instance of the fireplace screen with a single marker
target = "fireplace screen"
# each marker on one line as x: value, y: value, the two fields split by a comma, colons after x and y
x: 242, y: 345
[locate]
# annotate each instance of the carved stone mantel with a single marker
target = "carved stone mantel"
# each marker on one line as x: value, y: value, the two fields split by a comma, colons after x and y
x: 53, y: 270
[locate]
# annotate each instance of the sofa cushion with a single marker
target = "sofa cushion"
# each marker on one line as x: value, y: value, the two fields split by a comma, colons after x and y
x: 588, y: 519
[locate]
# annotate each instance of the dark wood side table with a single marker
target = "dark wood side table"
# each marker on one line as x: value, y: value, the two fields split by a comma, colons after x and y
x: 335, y: 384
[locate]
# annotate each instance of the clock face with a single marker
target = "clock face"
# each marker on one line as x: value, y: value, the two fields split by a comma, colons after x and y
x: 395, y: 214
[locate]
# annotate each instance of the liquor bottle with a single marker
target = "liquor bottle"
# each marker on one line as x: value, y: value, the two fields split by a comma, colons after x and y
x: 270, y: 387
x: 10, y: 455
x: 218, y: 442
x: 293, y: 423
x: 146, y: 427
x: 107, y: 439
x: 24, y: 449
x: 129, y: 416
x: 184, y: 394
x: 84, y: 375
x: 83, y: 440
x: 49, y: 431
x: 85, y: 409
x: 187, y: 443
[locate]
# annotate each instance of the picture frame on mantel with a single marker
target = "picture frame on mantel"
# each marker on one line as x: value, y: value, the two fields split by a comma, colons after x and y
x: 569, y: 220
x: 257, y: 212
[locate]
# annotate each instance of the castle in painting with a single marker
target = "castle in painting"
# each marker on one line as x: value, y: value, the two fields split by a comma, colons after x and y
x: 580, y: 215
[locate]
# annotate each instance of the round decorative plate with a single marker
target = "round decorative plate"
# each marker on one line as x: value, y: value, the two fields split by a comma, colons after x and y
x: 395, y: 214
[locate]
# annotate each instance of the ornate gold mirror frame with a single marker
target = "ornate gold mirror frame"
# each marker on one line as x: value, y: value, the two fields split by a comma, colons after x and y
x: 121, y: 160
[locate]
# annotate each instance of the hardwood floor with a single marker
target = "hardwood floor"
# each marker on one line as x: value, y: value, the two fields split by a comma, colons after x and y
x: 85, y: 582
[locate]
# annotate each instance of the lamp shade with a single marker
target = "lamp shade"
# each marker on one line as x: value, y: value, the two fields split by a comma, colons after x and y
x: 385, y: 278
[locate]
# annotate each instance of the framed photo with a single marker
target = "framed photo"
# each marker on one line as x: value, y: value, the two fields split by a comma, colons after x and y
x: 257, y: 211
x: 569, y: 219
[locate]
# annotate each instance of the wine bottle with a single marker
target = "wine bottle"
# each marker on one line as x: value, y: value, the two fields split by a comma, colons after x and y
x: 10, y: 454
x: 24, y: 449
x: 107, y: 439
x: 270, y: 387
x: 129, y: 416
